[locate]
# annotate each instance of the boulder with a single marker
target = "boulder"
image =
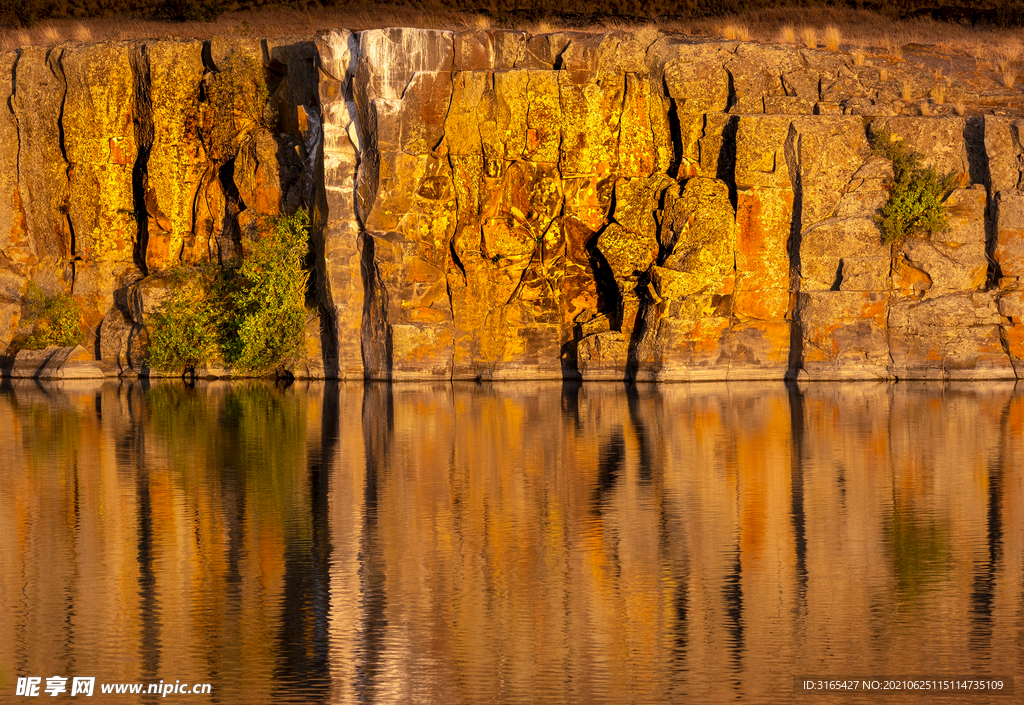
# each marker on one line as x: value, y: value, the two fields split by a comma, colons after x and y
x: 844, y: 254
x: 761, y: 152
x: 948, y: 337
x: 1011, y: 310
x: 828, y: 156
x: 100, y: 140
x: 603, y: 356
x: 955, y: 260
x: 939, y: 141
x: 56, y: 363
x: 594, y: 57
x: 19, y: 254
x: 590, y: 115
x: 488, y: 49
x: 843, y: 334
x: 1009, y: 217
x: 506, y: 278
x: 184, y: 205
x: 637, y: 134
x: 763, y: 217
x: 544, y: 51
x: 389, y: 58
x: 339, y: 242
x: 115, y: 336
x: 693, y: 74
x: 147, y: 295
x: 39, y: 92
x: 698, y: 233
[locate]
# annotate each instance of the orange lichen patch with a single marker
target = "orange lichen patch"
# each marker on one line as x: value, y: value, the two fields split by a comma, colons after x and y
x: 100, y: 144
x: 20, y: 250
x: 636, y: 153
x: 772, y: 338
x: 763, y: 218
x: 908, y: 280
x: 763, y: 222
x: 728, y: 284
x: 873, y: 307
x: 706, y: 335
x: 990, y: 347
x: 1009, y: 245
x: 587, y: 200
x: 1014, y: 336
x: 843, y: 327
x: 761, y: 304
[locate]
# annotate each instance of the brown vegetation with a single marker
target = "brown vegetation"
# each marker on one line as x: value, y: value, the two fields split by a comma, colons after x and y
x: 863, y: 32
x: 833, y: 37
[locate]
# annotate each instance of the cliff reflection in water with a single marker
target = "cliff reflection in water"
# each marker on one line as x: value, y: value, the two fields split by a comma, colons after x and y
x: 466, y: 543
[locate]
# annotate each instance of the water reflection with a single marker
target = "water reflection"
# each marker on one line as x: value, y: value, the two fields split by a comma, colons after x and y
x: 510, y: 543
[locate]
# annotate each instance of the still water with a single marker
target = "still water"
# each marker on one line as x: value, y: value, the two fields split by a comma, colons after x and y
x: 510, y: 543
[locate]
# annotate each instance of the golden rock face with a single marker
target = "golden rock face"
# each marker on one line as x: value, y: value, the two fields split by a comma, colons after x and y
x: 491, y: 205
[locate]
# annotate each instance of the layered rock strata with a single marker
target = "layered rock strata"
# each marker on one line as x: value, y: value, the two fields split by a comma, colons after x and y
x: 492, y: 205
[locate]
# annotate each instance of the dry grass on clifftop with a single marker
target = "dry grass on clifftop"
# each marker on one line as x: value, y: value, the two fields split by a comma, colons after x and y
x: 842, y: 29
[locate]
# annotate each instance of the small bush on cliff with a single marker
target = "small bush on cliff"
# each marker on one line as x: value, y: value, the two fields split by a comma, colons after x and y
x: 55, y: 320
x: 915, y: 207
x: 186, y: 330
x: 252, y: 317
x: 268, y: 313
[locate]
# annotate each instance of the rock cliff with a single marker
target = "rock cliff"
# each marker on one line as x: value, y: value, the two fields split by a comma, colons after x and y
x: 493, y: 205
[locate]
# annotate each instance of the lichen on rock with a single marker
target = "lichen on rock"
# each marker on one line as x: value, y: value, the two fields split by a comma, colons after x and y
x: 490, y: 204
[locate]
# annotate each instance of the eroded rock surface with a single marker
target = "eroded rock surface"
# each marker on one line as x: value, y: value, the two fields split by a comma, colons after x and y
x: 493, y: 205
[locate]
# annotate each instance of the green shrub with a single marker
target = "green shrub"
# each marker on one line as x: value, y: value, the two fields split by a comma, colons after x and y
x: 56, y: 320
x: 185, y: 328
x: 252, y: 317
x: 915, y: 206
x: 267, y: 321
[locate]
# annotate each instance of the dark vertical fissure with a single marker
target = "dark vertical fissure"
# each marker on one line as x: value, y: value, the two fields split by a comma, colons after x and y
x: 675, y: 130
x: 55, y: 64
x: 609, y: 300
x: 726, y: 171
x: 14, y: 114
x: 980, y: 173
x: 144, y: 140
x: 793, y: 245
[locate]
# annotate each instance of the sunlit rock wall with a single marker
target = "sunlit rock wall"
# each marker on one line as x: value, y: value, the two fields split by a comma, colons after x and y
x: 640, y: 206
x: 491, y: 205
